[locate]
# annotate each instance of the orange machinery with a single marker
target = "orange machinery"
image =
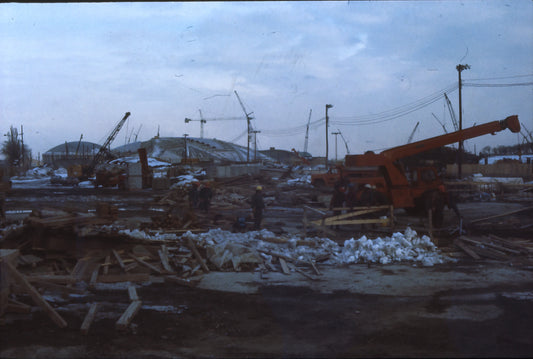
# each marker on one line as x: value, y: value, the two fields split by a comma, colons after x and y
x: 420, y: 187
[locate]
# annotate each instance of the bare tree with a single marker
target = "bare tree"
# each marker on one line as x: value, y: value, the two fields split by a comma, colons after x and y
x: 13, y: 149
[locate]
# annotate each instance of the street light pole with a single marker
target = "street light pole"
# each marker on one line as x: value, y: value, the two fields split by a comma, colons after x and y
x: 460, y: 68
x: 328, y: 106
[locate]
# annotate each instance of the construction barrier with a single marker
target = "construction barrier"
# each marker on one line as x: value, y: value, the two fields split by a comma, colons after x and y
x: 523, y: 170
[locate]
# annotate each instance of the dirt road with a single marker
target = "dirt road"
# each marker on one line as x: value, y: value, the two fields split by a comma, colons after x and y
x: 488, y: 319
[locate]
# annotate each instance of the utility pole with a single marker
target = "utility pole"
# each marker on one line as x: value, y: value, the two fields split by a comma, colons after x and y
x: 307, y: 131
x: 328, y: 106
x: 22, y: 144
x: 460, y: 68
x: 255, y: 132
x: 186, y: 149
x: 336, y: 134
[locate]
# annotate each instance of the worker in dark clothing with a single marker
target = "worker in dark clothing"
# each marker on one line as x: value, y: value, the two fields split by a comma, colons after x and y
x: 337, y: 199
x: 366, y: 195
x: 193, y: 195
x: 258, y: 206
x: 352, y: 199
x: 204, y: 197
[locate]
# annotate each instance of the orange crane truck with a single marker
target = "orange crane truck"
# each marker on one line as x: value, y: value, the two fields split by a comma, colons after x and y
x: 418, y: 188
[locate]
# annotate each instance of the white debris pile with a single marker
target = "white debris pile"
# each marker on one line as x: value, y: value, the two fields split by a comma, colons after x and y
x: 137, y: 234
x: 226, y: 249
x: 302, y: 181
x: 398, y: 248
x: 184, y: 181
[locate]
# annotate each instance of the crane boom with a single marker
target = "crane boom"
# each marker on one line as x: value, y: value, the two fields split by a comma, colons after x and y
x: 443, y: 126
x: 410, y: 149
x: 413, y: 133
x: 99, y: 156
x: 452, y: 113
x: 345, y: 143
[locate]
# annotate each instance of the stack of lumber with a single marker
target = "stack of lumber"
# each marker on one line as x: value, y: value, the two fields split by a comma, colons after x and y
x: 494, y: 247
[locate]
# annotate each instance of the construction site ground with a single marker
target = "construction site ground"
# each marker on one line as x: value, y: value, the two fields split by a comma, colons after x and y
x: 466, y: 308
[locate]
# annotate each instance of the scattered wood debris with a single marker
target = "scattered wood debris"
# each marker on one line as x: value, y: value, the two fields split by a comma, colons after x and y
x: 497, y: 248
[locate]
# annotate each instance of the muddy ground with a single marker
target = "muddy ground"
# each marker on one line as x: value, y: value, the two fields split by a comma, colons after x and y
x: 471, y: 308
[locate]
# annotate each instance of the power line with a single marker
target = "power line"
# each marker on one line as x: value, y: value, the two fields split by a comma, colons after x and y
x: 469, y: 84
x: 501, y: 78
x: 396, y: 112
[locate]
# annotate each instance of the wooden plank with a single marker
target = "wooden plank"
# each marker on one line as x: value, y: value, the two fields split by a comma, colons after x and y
x: 94, y: 277
x: 107, y: 264
x: 501, y: 215
x: 192, y: 246
x: 14, y: 306
x: 132, y: 292
x: 128, y: 315
x: 132, y: 277
x: 305, y: 274
x: 130, y: 266
x: 56, y: 287
x: 119, y: 260
x: 183, y: 282
x: 163, y: 255
x: 56, y: 279
x: 494, y: 246
x: 466, y: 248
x: 284, y: 266
x: 20, y: 279
x: 146, y: 264
x: 315, y: 268
x: 89, y: 318
x: 353, y: 221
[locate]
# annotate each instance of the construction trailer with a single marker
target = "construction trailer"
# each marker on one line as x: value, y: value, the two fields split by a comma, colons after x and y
x: 419, y: 188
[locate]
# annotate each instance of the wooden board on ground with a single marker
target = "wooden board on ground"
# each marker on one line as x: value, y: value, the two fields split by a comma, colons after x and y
x: 146, y: 264
x: 128, y: 315
x: 284, y: 266
x: 132, y: 293
x: 88, y: 319
x: 116, y: 278
x: 192, y: 246
x: 37, y: 298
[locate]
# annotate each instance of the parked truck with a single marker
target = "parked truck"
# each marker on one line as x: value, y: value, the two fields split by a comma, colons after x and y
x: 419, y: 188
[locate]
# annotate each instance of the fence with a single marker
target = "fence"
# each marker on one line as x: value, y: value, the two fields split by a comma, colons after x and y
x: 523, y: 170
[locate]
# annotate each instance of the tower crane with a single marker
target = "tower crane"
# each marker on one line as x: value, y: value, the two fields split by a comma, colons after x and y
x: 78, y: 146
x: 452, y: 113
x: 307, y: 132
x: 203, y: 120
x: 248, y: 122
x: 413, y: 133
x: 137, y: 133
x: 529, y: 133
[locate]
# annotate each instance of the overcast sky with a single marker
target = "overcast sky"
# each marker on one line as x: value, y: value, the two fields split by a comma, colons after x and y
x: 72, y: 69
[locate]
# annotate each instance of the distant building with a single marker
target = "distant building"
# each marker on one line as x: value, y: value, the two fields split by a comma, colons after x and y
x: 194, y: 149
x: 70, y: 153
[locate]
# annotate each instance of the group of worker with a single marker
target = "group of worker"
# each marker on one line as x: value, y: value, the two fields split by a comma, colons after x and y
x: 347, y: 194
x: 200, y: 195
